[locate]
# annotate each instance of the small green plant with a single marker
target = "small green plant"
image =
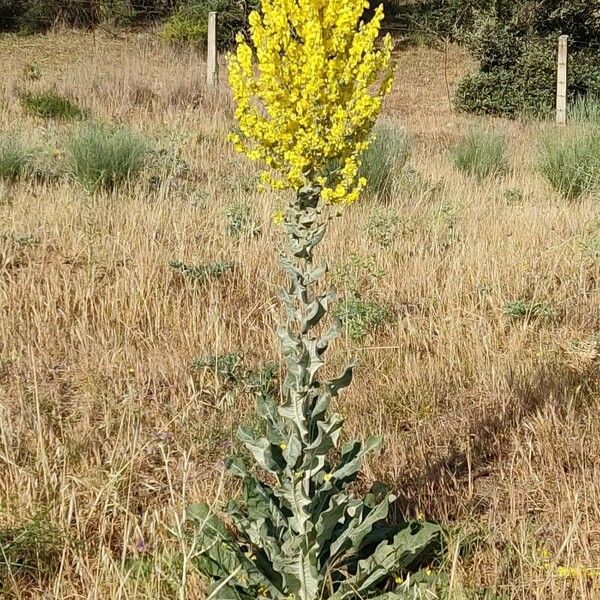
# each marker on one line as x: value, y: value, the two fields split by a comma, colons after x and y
x: 385, y: 225
x: 225, y: 366
x: 50, y: 105
x: 384, y: 159
x: 590, y: 246
x: 358, y: 273
x: 233, y: 378
x: 589, y: 240
x: 513, y: 196
x: 481, y: 154
x: 32, y: 72
x: 444, y: 225
x: 529, y: 310
x: 571, y: 162
x: 102, y: 157
x: 15, y: 158
x: 412, y: 183
x: 22, y: 241
x: 33, y: 549
x: 240, y: 222
x: 230, y: 368
x: 360, y: 317
x: 201, y: 273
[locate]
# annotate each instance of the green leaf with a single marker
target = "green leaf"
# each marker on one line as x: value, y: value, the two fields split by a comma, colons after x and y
x: 360, y: 526
x: 266, y: 408
x: 352, y: 458
x: 267, y: 455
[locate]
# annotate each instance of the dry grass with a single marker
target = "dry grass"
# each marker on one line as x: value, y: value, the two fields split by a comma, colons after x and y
x: 491, y: 424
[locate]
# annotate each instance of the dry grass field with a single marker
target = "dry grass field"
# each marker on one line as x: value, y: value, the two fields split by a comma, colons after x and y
x: 489, y: 411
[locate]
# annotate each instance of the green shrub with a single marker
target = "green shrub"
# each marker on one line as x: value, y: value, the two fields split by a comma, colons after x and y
x: 514, y: 44
x: 189, y: 23
x: 104, y: 158
x: 385, y: 157
x: 481, y: 154
x: 493, y: 93
x: 15, y: 158
x: 31, y: 16
x: 571, y: 162
x: 50, y: 105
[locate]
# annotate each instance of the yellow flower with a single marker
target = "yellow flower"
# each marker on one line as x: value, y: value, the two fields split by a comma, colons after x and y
x: 308, y: 86
x: 283, y: 446
x: 545, y: 554
x: 399, y: 580
x: 278, y: 217
x: 327, y: 477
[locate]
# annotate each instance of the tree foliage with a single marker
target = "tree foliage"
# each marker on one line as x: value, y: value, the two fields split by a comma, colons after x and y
x: 515, y: 46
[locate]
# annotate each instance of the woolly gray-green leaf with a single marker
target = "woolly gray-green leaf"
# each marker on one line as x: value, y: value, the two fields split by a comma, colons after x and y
x: 267, y: 455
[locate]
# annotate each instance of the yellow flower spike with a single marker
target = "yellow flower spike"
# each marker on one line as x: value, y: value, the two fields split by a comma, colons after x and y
x: 308, y: 84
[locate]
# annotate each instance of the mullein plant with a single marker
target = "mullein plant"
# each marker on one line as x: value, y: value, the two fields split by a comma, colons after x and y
x: 308, y: 86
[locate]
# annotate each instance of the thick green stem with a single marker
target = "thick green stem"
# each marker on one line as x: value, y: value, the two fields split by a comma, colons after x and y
x: 303, y: 352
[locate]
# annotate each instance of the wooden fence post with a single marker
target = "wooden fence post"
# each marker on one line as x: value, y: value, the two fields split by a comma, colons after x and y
x: 212, y: 67
x: 561, y: 81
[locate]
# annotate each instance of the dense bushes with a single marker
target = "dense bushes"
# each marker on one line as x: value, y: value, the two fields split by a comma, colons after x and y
x: 186, y: 19
x: 29, y: 16
x: 515, y: 46
x: 189, y: 23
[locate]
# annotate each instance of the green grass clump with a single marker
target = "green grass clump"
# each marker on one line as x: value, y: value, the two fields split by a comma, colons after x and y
x: 571, y: 162
x: 386, y: 157
x: 15, y: 158
x: 481, y: 154
x: 585, y: 110
x: 50, y: 105
x: 105, y: 158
